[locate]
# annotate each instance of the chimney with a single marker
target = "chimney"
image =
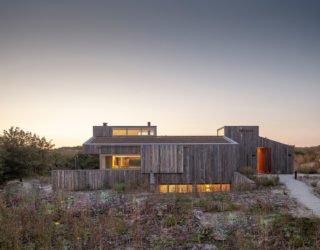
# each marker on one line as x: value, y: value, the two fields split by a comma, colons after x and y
x: 105, y: 124
x: 149, y: 124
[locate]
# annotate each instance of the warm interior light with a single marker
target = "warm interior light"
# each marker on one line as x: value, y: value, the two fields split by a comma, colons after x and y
x: 264, y: 160
x: 122, y: 132
x: 201, y: 188
x: 133, y: 131
x: 126, y: 161
x: 187, y: 188
x: 177, y: 188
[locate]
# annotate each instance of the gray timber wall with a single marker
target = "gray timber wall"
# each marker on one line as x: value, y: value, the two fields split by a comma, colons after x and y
x: 73, y: 180
x: 102, y: 131
x: 281, y: 156
x: 213, y: 163
x: 248, y: 139
x: 162, y: 158
x: 100, y: 149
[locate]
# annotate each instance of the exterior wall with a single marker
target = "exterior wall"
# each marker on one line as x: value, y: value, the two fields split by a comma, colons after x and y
x: 99, y: 149
x: 248, y: 139
x: 281, y: 156
x: 164, y: 158
x: 102, y: 131
x: 205, y: 164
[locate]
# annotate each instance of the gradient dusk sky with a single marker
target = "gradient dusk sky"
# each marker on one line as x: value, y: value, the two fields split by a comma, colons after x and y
x: 189, y: 67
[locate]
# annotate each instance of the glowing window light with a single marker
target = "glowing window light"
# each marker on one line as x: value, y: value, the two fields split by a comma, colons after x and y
x: 122, y: 132
x: 126, y: 161
x: 176, y: 188
x: 187, y: 188
x: 202, y: 188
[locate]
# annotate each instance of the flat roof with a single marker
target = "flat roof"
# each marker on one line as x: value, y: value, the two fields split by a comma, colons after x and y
x: 160, y: 139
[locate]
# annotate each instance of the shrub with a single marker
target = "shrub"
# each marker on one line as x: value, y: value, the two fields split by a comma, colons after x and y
x: 120, y: 187
x: 170, y: 220
x: 247, y: 171
x: 295, y: 233
x: 267, y: 181
x: 308, y: 169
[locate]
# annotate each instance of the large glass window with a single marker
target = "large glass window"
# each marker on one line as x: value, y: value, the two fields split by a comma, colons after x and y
x: 178, y: 188
x: 221, y: 132
x: 119, y: 132
x: 213, y: 187
x: 187, y: 188
x: 133, y: 131
x: 126, y: 161
x: 148, y: 131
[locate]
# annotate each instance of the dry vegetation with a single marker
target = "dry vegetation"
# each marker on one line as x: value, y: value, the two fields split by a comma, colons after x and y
x: 240, y: 220
x: 307, y: 160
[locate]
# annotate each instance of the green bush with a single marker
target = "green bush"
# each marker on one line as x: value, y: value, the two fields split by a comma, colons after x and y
x: 120, y: 187
x: 308, y: 169
x: 296, y: 232
x: 267, y: 181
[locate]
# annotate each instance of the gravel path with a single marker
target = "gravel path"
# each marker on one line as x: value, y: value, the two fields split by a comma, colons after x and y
x: 302, y: 193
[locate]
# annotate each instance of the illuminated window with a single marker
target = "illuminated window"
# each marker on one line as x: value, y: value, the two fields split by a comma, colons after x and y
x: 133, y: 131
x: 126, y: 161
x: 201, y: 188
x: 221, y: 132
x: 148, y: 131
x: 178, y: 188
x: 119, y: 132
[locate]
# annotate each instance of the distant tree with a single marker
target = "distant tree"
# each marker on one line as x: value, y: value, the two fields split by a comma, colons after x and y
x: 23, y: 153
x: 88, y: 161
x: 1, y: 164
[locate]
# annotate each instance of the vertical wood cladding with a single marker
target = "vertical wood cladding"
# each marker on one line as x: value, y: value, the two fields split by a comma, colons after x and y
x: 281, y: 156
x: 162, y: 158
x: 73, y: 180
x: 248, y: 139
x: 102, y: 131
x: 213, y: 163
x: 114, y: 149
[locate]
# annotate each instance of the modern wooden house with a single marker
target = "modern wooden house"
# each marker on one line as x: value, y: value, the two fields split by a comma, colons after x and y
x: 177, y: 163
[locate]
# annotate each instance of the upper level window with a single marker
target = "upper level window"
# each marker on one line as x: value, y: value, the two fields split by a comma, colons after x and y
x: 221, y: 132
x: 133, y: 131
x: 119, y: 132
x: 148, y: 131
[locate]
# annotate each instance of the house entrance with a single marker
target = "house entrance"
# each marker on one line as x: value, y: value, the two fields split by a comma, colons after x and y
x: 264, y: 160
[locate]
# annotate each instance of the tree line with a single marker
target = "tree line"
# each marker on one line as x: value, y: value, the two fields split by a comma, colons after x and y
x: 23, y: 154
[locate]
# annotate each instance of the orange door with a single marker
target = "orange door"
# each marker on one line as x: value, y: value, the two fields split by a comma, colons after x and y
x: 264, y: 160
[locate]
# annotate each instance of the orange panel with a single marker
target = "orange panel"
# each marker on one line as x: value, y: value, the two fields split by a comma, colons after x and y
x: 264, y: 160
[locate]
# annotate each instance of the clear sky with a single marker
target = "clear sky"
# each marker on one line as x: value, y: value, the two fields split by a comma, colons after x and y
x: 189, y: 67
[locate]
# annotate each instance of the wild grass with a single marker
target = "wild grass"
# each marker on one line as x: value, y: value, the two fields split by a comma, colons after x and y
x: 270, y: 181
x: 165, y: 222
x: 308, y: 169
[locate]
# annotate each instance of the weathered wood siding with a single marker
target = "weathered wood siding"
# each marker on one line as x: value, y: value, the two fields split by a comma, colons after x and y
x: 100, y: 149
x: 281, y: 156
x: 214, y: 163
x: 242, y: 181
x: 248, y: 139
x: 162, y: 158
x: 73, y: 180
x: 102, y: 131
